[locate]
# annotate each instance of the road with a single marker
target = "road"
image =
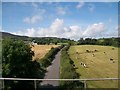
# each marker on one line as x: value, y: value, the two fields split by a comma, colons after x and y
x: 53, y: 72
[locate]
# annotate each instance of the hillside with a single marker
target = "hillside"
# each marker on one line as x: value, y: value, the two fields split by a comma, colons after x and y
x: 12, y: 36
x: 39, y: 40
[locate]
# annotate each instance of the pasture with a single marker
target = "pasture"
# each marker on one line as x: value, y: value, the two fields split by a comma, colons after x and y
x: 100, y: 61
x: 41, y: 50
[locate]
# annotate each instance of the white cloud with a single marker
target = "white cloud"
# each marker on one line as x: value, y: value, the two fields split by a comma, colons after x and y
x: 117, y: 27
x: 80, y: 5
x: 113, y: 32
x: 62, y: 10
x: 58, y: 29
x: 91, y: 7
x: 1, y: 30
x: 32, y: 19
x: 110, y: 20
x: 35, y: 5
x: 94, y: 30
x: 37, y: 14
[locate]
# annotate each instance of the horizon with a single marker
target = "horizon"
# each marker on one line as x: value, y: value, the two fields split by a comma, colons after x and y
x: 60, y: 37
x: 71, y: 20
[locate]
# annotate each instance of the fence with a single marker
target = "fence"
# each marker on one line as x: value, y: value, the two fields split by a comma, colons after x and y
x: 35, y: 84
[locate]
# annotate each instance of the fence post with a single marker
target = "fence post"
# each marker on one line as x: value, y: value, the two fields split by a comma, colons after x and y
x: 85, y: 84
x: 35, y: 85
x: 3, y: 84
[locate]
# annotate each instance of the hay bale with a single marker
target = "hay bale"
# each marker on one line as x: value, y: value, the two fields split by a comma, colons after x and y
x: 113, y: 48
x: 87, y: 51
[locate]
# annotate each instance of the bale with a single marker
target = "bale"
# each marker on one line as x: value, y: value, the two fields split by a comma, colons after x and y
x: 113, y: 48
x: 87, y: 51
x: 96, y: 50
x: 76, y: 52
x: 81, y: 63
x: 111, y: 59
x: 93, y: 55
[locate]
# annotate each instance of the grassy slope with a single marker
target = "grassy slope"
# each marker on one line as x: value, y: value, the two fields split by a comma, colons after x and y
x: 41, y: 50
x: 99, y: 66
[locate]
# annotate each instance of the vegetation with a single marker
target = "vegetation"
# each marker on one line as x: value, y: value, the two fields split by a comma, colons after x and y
x: 54, y: 40
x: 51, y: 40
x: 17, y: 63
x: 6, y: 35
x: 67, y: 71
x: 48, y: 58
x: 38, y: 40
x: 98, y: 66
x: 102, y: 41
x: 17, y: 60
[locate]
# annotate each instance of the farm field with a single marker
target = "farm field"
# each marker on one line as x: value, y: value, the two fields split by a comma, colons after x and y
x: 41, y: 50
x: 97, y: 59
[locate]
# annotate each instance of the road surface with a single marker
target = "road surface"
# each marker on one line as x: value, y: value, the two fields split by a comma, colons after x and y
x: 53, y: 72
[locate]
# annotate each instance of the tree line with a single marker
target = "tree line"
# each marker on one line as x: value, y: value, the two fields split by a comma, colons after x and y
x: 102, y: 41
x: 51, y: 40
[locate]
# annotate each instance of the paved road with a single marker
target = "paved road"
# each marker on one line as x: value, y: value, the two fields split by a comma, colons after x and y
x: 53, y: 72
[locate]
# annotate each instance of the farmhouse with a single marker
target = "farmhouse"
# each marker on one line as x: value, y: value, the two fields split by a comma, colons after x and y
x: 33, y: 43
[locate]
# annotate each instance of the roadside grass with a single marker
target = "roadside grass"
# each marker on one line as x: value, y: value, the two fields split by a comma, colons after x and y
x: 99, y: 65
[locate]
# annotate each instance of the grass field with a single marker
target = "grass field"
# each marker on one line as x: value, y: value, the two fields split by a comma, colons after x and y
x: 98, y: 66
x: 41, y: 50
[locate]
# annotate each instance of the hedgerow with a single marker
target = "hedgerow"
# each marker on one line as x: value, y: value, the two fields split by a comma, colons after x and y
x: 67, y: 71
x: 48, y: 58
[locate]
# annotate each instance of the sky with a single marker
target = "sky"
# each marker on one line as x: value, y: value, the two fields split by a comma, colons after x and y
x: 71, y: 20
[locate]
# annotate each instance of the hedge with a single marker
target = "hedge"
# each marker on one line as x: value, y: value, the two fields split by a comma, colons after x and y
x: 67, y: 71
x: 48, y: 58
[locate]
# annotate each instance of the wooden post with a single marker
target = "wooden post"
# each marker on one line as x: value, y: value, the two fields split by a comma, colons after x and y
x: 35, y: 85
x: 3, y: 84
x: 85, y: 85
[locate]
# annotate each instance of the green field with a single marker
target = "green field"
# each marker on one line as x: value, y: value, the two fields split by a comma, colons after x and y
x: 98, y: 66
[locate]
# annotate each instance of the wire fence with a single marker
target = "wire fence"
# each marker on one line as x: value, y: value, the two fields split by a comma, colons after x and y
x: 35, y: 80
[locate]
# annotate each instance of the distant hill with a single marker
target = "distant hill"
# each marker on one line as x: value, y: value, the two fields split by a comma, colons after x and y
x: 12, y: 36
x: 39, y: 40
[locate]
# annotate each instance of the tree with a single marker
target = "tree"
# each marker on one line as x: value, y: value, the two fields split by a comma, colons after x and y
x: 17, y: 63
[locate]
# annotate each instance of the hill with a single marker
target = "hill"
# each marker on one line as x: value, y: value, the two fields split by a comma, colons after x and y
x: 39, y: 40
x: 12, y: 36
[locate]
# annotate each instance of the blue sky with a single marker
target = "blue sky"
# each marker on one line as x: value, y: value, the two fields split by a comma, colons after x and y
x: 64, y: 19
